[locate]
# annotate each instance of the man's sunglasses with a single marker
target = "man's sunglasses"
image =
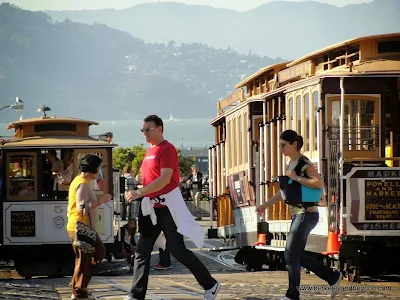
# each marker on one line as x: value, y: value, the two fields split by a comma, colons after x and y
x: 147, y: 130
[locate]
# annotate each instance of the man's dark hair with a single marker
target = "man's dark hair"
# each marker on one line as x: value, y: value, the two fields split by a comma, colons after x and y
x: 52, y: 152
x: 156, y: 119
x: 66, y: 152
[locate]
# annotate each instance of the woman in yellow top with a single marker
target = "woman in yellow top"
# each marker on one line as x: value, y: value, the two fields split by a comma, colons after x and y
x: 82, y: 206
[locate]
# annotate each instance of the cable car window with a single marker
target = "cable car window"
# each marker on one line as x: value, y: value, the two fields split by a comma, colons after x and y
x: 298, y: 109
x: 21, y: 175
x: 57, y: 173
x: 55, y: 127
x: 291, y: 125
x: 316, y: 106
x: 360, y: 130
x: 389, y: 47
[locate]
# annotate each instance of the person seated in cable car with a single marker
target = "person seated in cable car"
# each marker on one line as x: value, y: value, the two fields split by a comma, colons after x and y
x: 52, y: 165
x: 64, y: 176
x: 17, y: 170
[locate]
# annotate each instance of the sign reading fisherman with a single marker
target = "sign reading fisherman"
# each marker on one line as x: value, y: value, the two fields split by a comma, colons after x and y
x: 382, y: 200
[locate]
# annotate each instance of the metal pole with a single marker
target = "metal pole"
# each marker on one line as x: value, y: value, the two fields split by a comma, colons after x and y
x: 7, y: 106
x: 215, y: 171
x: 261, y: 162
x: 319, y: 129
x: 223, y: 180
x: 272, y: 146
x: 210, y: 171
x: 265, y: 140
x: 218, y: 172
x: 212, y: 179
x: 223, y: 166
x: 261, y: 148
x: 341, y: 151
x: 226, y: 155
x: 249, y: 147
x: 281, y: 154
x: 219, y: 182
x: 279, y: 131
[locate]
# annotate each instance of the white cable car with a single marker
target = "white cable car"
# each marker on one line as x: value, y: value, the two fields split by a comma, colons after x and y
x: 34, y: 201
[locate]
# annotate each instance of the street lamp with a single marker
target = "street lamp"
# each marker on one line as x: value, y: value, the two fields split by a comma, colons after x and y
x: 16, y: 106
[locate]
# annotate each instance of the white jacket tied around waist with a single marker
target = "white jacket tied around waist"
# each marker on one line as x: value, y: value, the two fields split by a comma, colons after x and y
x: 184, y: 221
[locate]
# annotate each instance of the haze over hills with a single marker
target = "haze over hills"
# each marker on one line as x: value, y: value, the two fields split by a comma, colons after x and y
x: 101, y: 73
x: 275, y: 29
x: 122, y: 4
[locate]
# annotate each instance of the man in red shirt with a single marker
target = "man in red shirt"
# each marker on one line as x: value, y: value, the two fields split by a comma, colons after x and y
x: 160, y: 175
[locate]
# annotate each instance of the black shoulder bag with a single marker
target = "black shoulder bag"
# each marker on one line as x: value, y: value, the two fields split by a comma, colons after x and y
x: 85, y: 236
x: 295, y: 193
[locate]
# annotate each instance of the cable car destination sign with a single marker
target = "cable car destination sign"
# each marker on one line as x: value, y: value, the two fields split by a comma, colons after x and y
x: 382, y: 199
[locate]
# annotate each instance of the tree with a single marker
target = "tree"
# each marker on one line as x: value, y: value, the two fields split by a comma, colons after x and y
x: 133, y: 157
x: 140, y: 152
x: 122, y: 157
x: 185, y: 163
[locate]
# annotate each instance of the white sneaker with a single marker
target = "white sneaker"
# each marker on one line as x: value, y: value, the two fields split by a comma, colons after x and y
x: 285, y: 298
x: 212, y: 293
x: 129, y: 297
x: 335, y: 287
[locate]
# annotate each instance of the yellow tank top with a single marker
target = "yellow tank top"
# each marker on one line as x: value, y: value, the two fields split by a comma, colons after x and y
x: 73, y: 214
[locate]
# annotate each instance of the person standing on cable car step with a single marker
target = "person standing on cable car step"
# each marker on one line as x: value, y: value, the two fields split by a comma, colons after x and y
x: 64, y: 175
x: 304, y: 219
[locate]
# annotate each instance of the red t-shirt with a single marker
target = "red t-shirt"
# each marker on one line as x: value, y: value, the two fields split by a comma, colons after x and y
x: 163, y: 155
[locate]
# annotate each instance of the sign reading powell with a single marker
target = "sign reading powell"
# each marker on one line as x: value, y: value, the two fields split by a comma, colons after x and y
x: 382, y: 200
x: 22, y: 223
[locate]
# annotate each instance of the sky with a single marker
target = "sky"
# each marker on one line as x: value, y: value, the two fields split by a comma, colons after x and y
x: 240, y: 5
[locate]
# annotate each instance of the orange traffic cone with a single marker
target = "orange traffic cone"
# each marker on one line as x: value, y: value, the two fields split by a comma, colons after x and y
x: 332, y: 244
x: 262, y: 239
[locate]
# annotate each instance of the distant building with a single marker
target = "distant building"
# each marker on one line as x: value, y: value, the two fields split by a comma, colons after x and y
x: 201, y: 156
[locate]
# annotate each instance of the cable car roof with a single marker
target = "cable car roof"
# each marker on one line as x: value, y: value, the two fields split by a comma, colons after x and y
x: 56, y: 141
x: 49, y: 119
